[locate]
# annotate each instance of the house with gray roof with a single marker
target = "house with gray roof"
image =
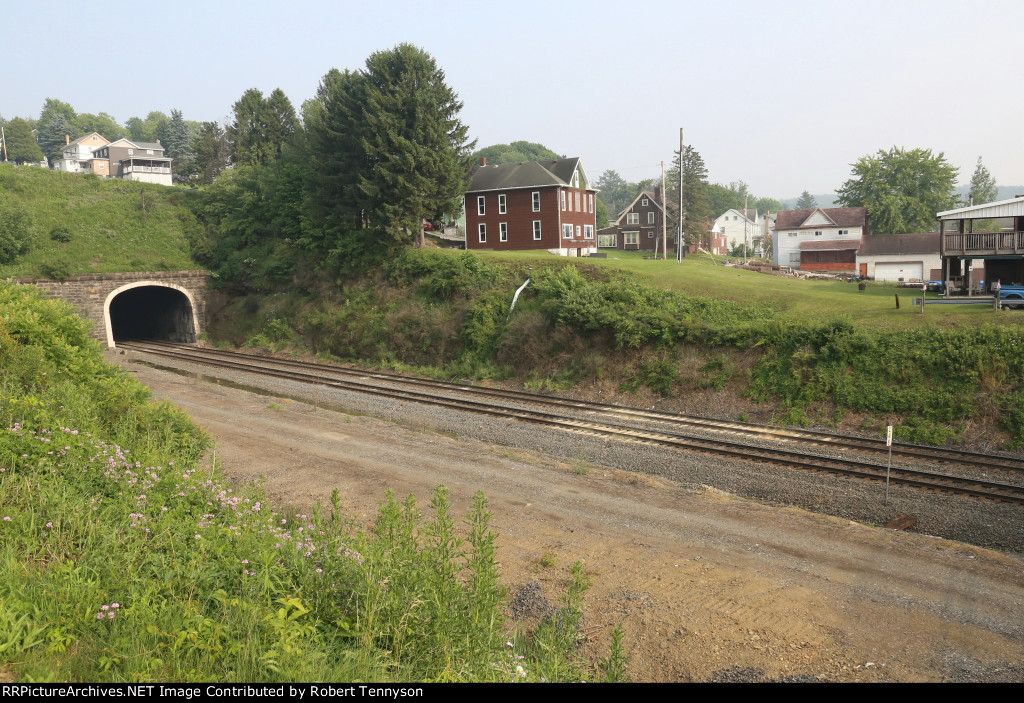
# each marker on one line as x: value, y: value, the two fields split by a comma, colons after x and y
x: 136, y: 161
x: 531, y: 205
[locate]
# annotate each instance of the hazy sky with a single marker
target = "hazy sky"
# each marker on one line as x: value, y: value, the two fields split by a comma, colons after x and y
x: 782, y: 95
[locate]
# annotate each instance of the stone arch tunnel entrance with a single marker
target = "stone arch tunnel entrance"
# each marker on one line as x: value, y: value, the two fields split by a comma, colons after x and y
x: 151, y: 311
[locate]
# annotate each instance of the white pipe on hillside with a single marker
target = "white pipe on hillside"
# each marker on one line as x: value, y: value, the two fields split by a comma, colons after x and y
x: 516, y: 296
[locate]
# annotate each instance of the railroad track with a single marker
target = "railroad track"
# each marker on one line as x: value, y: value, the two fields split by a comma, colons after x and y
x: 620, y: 423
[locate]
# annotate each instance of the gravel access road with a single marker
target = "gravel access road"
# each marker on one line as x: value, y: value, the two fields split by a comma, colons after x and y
x: 717, y: 569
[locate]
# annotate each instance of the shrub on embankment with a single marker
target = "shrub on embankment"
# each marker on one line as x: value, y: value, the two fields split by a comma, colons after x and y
x: 447, y: 314
x: 123, y: 559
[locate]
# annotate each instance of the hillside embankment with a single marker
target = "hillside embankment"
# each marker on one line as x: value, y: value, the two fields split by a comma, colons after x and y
x: 601, y: 332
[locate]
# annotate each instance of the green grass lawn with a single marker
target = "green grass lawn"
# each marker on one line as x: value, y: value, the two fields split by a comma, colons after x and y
x: 800, y: 298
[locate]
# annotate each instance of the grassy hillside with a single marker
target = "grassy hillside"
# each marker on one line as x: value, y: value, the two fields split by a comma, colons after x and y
x: 810, y: 351
x: 799, y: 299
x: 123, y: 558
x: 84, y: 224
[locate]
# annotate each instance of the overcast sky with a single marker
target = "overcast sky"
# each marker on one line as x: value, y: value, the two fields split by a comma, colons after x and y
x: 782, y: 95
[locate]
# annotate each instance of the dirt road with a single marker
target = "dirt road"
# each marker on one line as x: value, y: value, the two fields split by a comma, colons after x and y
x: 705, y: 585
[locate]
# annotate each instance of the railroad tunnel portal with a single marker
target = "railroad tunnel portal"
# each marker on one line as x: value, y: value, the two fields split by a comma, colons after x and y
x: 151, y: 310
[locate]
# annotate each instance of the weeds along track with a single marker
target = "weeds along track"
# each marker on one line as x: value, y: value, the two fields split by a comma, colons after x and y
x: 783, y: 447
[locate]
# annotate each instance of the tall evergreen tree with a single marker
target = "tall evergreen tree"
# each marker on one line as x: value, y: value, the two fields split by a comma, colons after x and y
x: 983, y: 185
x: 806, y: 201
x: 53, y: 136
x: 245, y: 133
x: 332, y: 123
x: 281, y: 121
x: 261, y: 126
x: 21, y: 143
x: 614, y: 191
x: 209, y: 150
x: 387, y: 148
x: 417, y: 149
x: 696, y: 197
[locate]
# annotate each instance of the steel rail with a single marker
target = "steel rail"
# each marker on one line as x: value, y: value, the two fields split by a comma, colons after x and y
x: 982, y: 462
x: 846, y: 467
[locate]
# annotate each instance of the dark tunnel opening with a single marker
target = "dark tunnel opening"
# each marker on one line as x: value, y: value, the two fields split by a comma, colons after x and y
x: 153, y: 313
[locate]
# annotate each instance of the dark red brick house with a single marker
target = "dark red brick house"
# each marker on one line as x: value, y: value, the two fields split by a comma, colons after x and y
x: 638, y: 227
x: 532, y: 205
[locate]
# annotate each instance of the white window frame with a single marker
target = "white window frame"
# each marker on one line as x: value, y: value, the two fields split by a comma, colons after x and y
x: 481, y: 205
x: 536, y: 201
x: 481, y: 232
x: 627, y: 236
x: 502, y: 231
x: 588, y: 231
x: 643, y: 201
x: 632, y: 218
x: 502, y: 204
x: 567, y: 231
x: 562, y: 193
x: 578, y: 231
x: 794, y: 257
x: 590, y: 201
x: 650, y: 218
x: 536, y: 229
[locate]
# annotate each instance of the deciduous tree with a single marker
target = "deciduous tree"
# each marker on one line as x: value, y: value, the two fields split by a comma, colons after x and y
x: 515, y: 152
x: 21, y: 143
x: 16, y: 225
x: 149, y: 129
x: 901, y: 189
x: 102, y: 123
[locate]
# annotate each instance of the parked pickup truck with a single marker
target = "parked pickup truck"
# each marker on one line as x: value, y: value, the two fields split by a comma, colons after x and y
x: 1012, y: 297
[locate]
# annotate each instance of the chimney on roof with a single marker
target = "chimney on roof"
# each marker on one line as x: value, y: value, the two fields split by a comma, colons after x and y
x: 483, y: 160
x: 67, y: 139
x: 157, y: 141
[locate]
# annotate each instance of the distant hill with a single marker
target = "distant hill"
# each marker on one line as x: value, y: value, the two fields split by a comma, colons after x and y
x: 829, y: 199
x: 98, y: 225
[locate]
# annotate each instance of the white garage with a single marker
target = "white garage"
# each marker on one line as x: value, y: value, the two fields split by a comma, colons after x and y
x: 899, y: 271
x: 900, y: 258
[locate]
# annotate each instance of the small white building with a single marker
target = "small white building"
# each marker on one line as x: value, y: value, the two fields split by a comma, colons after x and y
x: 900, y: 258
x: 740, y: 226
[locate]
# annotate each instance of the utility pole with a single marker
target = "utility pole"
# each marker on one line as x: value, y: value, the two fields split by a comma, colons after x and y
x: 664, y: 224
x: 679, y: 229
x: 746, y: 230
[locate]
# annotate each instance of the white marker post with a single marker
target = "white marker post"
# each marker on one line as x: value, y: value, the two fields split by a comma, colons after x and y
x: 888, y: 443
